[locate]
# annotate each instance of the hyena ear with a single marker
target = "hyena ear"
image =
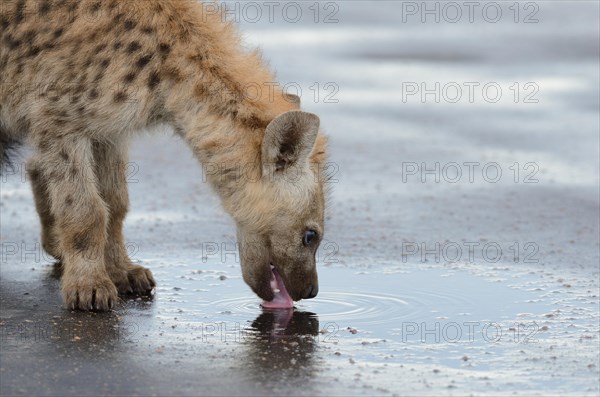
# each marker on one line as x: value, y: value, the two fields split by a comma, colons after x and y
x: 293, y: 99
x: 288, y: 140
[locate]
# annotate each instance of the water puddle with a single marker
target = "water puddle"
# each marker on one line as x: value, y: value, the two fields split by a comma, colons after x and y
x: 385, y: 325
x: 423, y: 314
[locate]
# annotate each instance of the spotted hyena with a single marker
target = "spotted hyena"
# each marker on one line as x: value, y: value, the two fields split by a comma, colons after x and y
x: 78, y: 78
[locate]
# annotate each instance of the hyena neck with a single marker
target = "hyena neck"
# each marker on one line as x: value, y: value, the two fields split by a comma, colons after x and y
x: 222, y: 108
x: 228, y: 146
x: 228, y: 151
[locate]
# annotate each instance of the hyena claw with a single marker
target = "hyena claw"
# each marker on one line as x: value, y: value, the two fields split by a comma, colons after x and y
x: 99, y: 294
x: 140, y: 279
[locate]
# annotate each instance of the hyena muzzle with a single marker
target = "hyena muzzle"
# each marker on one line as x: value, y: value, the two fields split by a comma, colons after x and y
x: 79, y: 77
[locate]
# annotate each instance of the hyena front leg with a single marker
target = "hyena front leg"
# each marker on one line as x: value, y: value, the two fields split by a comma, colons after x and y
x: 81, y: 219
x: 42, y: 204
x: 111, y: 168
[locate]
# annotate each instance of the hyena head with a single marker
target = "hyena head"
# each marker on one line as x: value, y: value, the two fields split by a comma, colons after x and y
x: 280, y: 222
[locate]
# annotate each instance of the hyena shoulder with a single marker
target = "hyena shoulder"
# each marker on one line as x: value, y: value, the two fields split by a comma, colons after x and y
x: 81, y: 61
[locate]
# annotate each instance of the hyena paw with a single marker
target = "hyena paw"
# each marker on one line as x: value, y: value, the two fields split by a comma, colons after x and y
x: 120, y: 279
x: 140, y: 279
x: 93, y: 293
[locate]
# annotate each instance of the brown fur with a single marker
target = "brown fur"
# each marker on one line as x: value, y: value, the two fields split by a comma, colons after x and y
x: 78, y: 78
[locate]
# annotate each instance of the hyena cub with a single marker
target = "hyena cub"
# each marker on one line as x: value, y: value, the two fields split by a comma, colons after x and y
x: 79, y: 77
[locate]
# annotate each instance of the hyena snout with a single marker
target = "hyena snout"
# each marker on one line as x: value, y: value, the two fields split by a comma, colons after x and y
x: 311, y: 291
x: 302, y: 284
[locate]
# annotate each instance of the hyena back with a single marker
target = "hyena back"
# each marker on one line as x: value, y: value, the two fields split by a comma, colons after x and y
x: 79, y: 78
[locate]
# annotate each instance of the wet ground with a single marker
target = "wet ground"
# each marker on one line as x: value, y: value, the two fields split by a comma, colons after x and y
x: 462, y: 247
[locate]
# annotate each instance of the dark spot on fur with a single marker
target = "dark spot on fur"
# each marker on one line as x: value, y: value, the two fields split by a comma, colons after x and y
x: 81, y: 109
x: 129, y: 77
x: 44, y: 8
x: 29, y: 36
x: 19, y: 12
x: 99, y: 76
x: 254, y: 122
x: 58, y: 32
x: 81, y: 242
x: 129, y: 24
x: 153, y: 80
x: 64, y: 155
x: 99, y: 48
x: 95, y: 7
x: 230, y: 108
x: 11, y: 43
x: 198, y: 58
x: 92, y: 36
x: 164, y: 49
x: 117, y: 45
x: 118, y: 17
x: 173, y: 73
x: 73, y: 7
x: 44, y: 145
x: 4, y: 23
x: 33, y: 51
x: 200, y: 91
x: 93, y: 94
x: 143, y: 61
x: 34, y: 174
x: 69, y: 200
x: 148, y: 30
x: 133, y: 47
x: 105, y: 62
x: 120, y: 97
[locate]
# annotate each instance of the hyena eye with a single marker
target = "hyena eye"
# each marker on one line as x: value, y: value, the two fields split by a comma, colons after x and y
x: 309, y: 236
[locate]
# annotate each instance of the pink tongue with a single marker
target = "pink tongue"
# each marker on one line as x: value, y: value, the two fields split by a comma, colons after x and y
x: 282, y: 299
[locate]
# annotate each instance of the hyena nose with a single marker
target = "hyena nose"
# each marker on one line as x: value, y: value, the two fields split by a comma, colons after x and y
x: 311, y: 291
